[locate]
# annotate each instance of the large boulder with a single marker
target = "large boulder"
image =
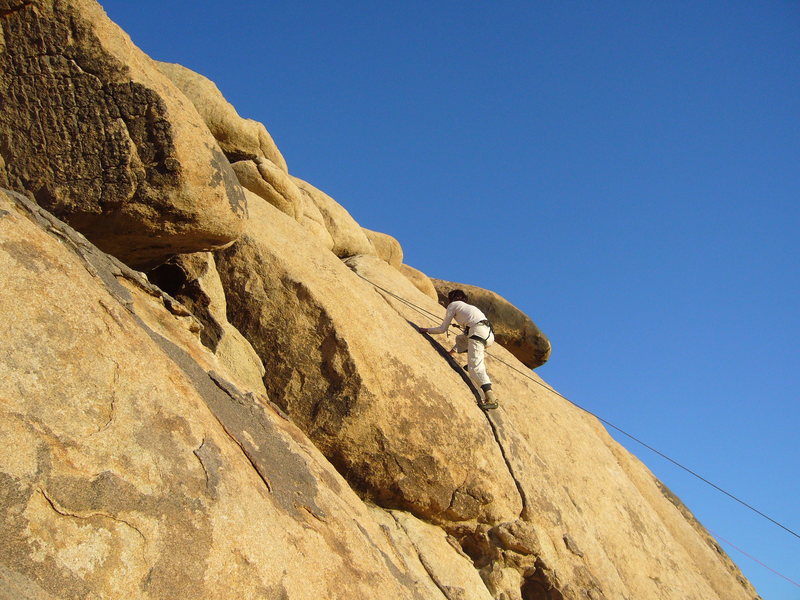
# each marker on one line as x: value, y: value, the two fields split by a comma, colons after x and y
x: 99, y: 136
x: 348, y: 237
x: 139, y: 470
x: 513, y: 329
x: 313, y: 221
x: 421, y: 281
x: 386, y: 247
x: 392, y: 415
x: 239, y: 138
x: 265, y: 179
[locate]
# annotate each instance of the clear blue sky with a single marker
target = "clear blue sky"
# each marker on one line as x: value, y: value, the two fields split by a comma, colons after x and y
x: 628, y: 174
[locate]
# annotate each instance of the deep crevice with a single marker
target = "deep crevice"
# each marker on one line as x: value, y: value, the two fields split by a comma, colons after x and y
x: 169, y: 277
x: 538, y: 587
x: 177, y: 282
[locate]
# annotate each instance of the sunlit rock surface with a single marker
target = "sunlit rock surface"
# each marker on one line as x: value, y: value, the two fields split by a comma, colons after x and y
x: 260, y: 417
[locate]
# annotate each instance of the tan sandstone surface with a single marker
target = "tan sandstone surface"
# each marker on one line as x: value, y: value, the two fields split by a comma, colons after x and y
x: 259, y: 417
x: 140, y: 470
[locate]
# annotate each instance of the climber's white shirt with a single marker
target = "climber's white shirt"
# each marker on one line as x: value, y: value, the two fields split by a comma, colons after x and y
x: 464, y: 314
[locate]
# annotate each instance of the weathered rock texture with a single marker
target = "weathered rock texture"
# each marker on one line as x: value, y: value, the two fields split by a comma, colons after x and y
x: 139, y: 469
x: 266, y: 180
x: 266, y: 421
x: 314, y: 222
x: 96, y: 134
x: 193, y: 280
x: 351, y: 371
x: 513, y: 329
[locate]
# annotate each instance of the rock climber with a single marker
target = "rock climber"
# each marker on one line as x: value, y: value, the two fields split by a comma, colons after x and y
x: 478, y: 335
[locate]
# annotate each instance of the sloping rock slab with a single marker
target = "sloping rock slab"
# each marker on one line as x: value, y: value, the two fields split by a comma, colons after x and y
x: 595, y: 518
x: 140, y: 471
x: 595, y: 522
x: 395, y: 417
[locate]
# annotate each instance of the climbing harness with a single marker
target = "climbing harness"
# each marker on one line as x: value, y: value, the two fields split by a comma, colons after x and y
x: 485, y: 340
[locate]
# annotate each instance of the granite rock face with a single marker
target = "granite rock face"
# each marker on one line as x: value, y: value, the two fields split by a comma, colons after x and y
x: 266, y: 180
x: 192, y: 279
x: 140, y: 469
x: 386, y: 247
x: 97, y: 135
x: 349, y: 239
x: 352, y: 373
x: 259, y: 416
x: 421, y: 281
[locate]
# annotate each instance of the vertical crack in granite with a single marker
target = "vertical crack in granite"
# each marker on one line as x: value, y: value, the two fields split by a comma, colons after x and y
x: 492, y: 424
x: 490, y: 418
x: 444, y: 589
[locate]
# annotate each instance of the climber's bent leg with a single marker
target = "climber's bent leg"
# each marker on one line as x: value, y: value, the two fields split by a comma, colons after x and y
x: 475, y: 361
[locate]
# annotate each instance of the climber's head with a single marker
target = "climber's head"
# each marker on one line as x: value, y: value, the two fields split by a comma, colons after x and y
x: 456, y: 295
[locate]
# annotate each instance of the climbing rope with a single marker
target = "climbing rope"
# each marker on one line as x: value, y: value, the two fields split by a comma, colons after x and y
x: 754, y: 559
x: 435, y: 318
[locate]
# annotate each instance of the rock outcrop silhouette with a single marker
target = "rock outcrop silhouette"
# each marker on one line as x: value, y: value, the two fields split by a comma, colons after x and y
x: 213, y: 385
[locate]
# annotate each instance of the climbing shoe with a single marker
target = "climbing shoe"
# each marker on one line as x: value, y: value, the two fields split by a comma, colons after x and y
x: 489, y: 401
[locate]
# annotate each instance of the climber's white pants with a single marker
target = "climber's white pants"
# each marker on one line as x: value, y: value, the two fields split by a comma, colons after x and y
x: 475, y: 350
